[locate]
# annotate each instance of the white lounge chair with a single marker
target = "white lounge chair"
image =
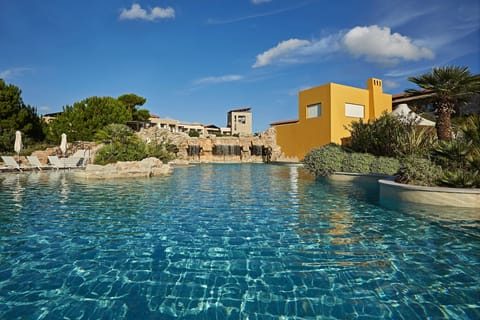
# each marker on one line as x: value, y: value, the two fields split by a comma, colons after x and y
x: 64, y: 163
x: 56, y: 162
x: 11, y: 163
x: 72, y: 162
x: 35, y: 163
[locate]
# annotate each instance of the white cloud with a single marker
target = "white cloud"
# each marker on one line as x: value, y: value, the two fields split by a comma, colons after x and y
x: 404, y: 73
x: 260, y: 1
x: 13, y: 73
x: 389, y: 84
x: 374, y: 43
x: 219, y: 79
x: 380, y: 45
x: 284, y: 51
x: 402, y: 13
x: 258, y: 15
x: 137, y: 12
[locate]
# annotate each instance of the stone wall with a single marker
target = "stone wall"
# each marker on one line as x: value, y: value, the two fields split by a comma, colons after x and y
x: 258, y: 148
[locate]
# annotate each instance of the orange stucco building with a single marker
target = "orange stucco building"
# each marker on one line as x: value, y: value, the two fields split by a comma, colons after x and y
x: 325, y: 111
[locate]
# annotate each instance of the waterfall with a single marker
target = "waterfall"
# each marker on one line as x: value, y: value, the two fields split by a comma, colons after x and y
x: 256, y: 150
x: 193, y: 151
x: 226, y: 150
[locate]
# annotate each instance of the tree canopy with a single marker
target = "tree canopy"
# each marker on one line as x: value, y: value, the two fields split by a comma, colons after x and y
x: 132, y: 102
x: 15, y: 115
x: 85, y: 118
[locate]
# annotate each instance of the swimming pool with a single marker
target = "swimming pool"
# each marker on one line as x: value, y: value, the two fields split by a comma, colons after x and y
x: 249, y: 241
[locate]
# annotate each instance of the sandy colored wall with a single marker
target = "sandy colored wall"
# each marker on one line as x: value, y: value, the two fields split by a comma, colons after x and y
x: 298, y: 138
x: 379, y: 101
x: 340, y: 96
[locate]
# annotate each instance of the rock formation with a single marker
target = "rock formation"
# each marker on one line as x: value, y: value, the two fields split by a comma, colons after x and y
x: 210, y: 148
x: 149, y: 167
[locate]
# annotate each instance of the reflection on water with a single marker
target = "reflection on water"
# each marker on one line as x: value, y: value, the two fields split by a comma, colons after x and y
x: 12, y: 182
x: 64, y: 189
x: 341, y: 222
x: 293, y: 177
x: 458, y: 218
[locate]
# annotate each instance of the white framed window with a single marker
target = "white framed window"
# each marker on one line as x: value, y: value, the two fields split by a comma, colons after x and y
x: 314, y: 110
x: 354, y: 110
x: 242, y: 119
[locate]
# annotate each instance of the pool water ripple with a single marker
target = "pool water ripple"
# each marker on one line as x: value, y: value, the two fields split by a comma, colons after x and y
x: 226, y: 242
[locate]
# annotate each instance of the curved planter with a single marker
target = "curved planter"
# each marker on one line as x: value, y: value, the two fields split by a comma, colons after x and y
x: 358, y: 177
x: 439, y: 196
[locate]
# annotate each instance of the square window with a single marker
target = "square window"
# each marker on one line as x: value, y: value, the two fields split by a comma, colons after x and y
x: 314, y: 110
x: 354, y: 110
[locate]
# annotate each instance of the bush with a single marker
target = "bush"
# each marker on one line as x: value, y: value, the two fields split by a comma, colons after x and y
x: 357, y: 162
x: 325, y: 160
x: 460, y: 160
x: 160, y: 151
x: 332, y: 158
x: 419, y: 171
x: 471, y: 129
x: 389, y: 136
x: 459, y: 178
x: 378, y: 137
x: 113, y: 152
x: 115, y: 133
x: 193, y: 133
x: 385, y: 165
x: 415, y: 141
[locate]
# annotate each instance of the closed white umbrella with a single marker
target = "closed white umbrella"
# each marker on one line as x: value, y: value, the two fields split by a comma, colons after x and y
x: 63, y: 144
x: 18, y: 143
x: 405, y: 113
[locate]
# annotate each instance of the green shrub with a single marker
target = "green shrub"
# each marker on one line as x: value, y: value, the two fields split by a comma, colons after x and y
x: 325, y: 160
x: 124, y: 145
x: 385, y: 165
x: 357, y: 162
x: 115, y: 133
x: 471, y: 129
x: 419, y: 171
x: 113, y: 152
x: 460, y: 157
x: 415, y: 141
x: 452, y: 154
x: 459, y: 178
x: 361, y: 136
x: 379, y: 137
x: 160, y: 151
x: 473, y: 158
x: 389, y: 136
x: 193, y: 133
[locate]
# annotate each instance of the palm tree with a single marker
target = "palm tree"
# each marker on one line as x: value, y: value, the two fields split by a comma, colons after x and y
x: 448, y: 87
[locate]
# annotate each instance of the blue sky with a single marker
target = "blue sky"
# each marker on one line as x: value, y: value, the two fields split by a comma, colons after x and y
x: 195, y: 60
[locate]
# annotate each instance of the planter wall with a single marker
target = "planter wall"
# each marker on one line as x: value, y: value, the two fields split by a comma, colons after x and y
x: 453, y: 197
x: 357, y: 177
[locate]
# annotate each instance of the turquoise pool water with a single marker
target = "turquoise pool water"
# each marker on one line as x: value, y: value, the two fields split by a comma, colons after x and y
x: 227, y: 242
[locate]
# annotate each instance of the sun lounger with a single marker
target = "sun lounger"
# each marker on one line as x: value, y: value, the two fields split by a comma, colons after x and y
x: 35, y: 163
x: 11, y: 163
x: 64, y: 163
x: 56, y: 162
x: 72, y: 162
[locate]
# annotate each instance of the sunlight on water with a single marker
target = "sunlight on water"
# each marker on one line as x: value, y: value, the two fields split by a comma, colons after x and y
x: 228, y: 242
